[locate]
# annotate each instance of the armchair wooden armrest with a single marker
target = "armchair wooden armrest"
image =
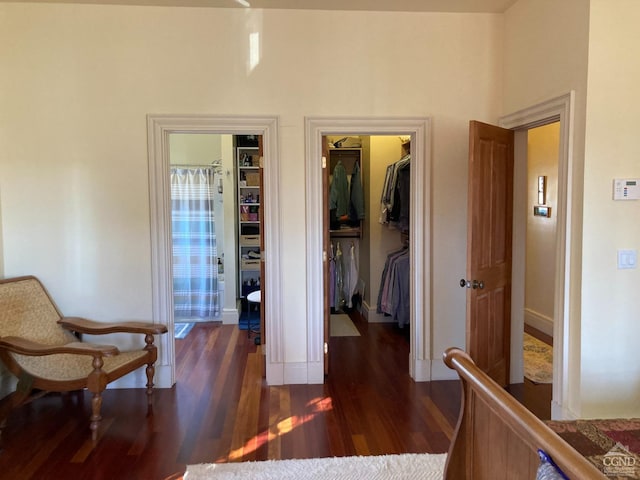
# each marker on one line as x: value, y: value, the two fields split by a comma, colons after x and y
x: 28, y: 347
x: 91, y: 327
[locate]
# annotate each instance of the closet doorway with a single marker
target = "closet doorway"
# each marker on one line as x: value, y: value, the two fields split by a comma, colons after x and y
x: 322, y: 136
x: 366, y: 232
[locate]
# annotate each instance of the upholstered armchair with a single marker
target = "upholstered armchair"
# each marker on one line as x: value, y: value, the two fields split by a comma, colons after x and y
x: 44, y: 350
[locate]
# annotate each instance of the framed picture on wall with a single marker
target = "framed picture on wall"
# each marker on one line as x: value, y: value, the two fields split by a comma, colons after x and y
x: 541, y: 211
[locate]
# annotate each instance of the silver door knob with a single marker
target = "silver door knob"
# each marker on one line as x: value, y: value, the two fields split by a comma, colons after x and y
x: 471, y: 284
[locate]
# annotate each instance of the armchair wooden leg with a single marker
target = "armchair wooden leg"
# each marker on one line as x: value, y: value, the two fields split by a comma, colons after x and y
x: 96, y: 405
x: 96, y: 384
x: 151, y: 370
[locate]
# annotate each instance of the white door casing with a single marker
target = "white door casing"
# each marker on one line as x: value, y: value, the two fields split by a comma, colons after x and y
x: 419, y: 128
x: 556, y: 109
x: 159, y: 127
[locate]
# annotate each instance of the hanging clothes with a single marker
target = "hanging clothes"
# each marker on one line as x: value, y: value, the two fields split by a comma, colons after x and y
x: 332, y: 278
x: 356, y: 205
x: 399, y: 216
x: 395, y: 196
x: 393, y: 295
x: 340, y: 300
x: 351, y: 279
x: 339, y: 191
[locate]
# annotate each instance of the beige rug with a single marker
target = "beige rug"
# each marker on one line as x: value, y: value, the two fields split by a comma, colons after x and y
x: 340, y: 325
x: 382, y: 467
x: 538, y: 360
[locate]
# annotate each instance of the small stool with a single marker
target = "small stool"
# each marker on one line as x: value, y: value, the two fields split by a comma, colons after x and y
x: 254, y: 297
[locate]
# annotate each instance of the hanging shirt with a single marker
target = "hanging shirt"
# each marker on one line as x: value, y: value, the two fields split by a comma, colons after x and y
x: 350, y: 289
x: 339, y: 191
x: 356, y: 210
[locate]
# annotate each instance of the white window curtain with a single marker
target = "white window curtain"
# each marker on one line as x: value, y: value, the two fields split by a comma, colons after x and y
x: 195, y: 262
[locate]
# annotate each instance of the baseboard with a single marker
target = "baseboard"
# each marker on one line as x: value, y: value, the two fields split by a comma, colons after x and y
x: 315, y: 373
x: 372, y: 316
x: 560, y: 413
x: 420, y: 370
x: 538, y: 321
x: 230, y: 316
x: 274, y: 373
x: 296, y: 373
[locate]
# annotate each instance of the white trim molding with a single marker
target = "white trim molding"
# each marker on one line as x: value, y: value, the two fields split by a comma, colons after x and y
x: 556, y: 109
x: 159, y: 127
x: 538, y: 321
x: 420, y: 232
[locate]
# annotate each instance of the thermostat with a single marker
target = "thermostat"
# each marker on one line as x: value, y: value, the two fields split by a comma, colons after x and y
x: 626, y: 188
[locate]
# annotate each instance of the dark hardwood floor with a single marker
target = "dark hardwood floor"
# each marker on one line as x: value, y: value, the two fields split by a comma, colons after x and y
x: 535, y: 396
x: 221, y: 410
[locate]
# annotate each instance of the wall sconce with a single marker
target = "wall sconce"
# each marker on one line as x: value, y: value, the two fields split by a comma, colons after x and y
x: 541, y: 210
x: 542, y: 190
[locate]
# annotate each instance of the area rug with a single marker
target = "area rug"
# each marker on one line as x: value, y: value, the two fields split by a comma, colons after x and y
x: 249, y: 319
x: 181, y: 330
x: 538, y: 360
x: 613, y: 445
x: 340, y: 325
x: 382, y: 467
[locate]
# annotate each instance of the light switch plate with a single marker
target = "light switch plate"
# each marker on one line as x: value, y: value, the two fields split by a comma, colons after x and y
x: 627, y: 259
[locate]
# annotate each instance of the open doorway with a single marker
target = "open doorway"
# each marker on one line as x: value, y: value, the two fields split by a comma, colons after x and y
x: 418, y: 130
x: 215, y: 229
x: 197, y: 169
x: 556, y: 110
x: 366, y: 232
x: 160, y: 127
x: 543, y: 146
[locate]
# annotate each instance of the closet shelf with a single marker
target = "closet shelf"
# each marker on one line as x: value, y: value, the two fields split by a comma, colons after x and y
x: 346, y: 232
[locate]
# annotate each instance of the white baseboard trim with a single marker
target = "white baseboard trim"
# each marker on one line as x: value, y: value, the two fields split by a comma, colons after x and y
x: 560, y: 413
x: 316, y: 373
x: 296, y: 373
x: 420, y: 370
x: 230, y: 316
x: 274, y: 373
x: 538, y: 321
x: 440, y: 371
x: 372, y: 316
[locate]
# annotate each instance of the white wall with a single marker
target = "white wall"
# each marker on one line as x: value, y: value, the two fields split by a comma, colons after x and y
x: 73, y: 151
x: 542, y: 159
x: 610, y: 302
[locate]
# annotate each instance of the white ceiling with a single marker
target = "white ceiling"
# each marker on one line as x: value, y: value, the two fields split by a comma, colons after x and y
x: 488, y: 6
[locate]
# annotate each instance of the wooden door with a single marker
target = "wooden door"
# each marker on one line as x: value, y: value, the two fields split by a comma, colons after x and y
x: 489, y: 229
x: 326, y: 246
x: 261, y: 228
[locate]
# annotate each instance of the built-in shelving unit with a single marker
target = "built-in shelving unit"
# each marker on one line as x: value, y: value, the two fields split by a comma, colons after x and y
x: 248, y: 175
